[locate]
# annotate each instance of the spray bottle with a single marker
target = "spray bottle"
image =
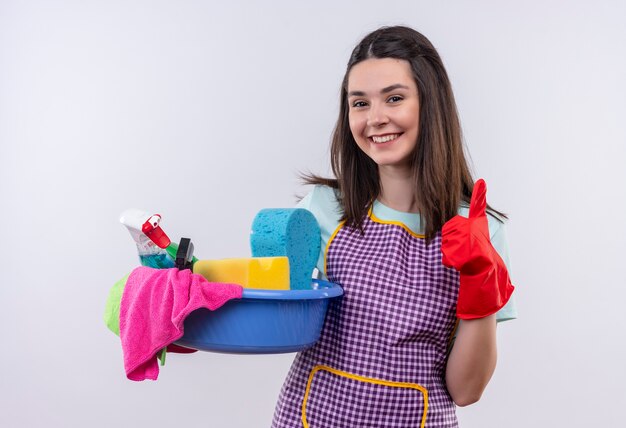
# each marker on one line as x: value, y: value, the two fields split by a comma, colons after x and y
x: 156, y: 250
x: 151, y: 241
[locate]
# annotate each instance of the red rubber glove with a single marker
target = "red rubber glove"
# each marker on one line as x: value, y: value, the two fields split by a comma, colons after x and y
x: 485, y: 286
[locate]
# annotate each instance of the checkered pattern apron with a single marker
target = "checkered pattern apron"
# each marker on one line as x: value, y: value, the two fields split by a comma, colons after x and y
x: 380, y: 361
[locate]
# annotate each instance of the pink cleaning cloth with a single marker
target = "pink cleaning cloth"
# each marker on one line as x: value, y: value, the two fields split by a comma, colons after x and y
x: 154, y: 306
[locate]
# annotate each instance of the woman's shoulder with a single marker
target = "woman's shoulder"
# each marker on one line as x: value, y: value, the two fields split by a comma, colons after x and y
x: 326, y: 193
x: 323, y: 202
x: 320, y: 197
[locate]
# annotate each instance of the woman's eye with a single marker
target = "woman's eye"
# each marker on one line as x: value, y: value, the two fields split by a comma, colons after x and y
x: 359, y: 104
x: 395, y: 99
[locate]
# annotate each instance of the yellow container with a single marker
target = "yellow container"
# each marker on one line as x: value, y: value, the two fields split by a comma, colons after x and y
x: 269, y: 273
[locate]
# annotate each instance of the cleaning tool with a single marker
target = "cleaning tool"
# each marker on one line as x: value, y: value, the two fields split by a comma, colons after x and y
x: 184, y: 254
x: 112, y: 308
x: 112, y: 316
x: 154, y: 305
x: 172, y: 251
x: 290, y: 232
x: 262, y: 321
x: 150, y: 239
x: 150, y: 307
x: 268, y: 273
x: 485, y: 286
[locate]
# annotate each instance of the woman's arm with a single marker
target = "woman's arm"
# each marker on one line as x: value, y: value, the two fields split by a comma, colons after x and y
x: 484, y: 288
x: 472, y: 360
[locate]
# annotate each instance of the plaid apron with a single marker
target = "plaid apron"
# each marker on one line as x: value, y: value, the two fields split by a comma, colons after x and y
x: 380, y: 361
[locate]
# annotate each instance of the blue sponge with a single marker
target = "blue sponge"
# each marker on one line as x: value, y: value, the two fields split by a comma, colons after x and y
x: 291, y: 232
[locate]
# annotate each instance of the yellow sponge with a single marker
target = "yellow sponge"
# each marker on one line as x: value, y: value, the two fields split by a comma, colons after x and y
x: 270, y: 273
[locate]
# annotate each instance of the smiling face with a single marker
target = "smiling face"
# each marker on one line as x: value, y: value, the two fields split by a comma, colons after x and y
x: 384, y: 110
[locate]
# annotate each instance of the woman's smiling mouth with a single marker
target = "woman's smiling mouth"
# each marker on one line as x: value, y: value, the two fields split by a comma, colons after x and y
x: 380, y: 139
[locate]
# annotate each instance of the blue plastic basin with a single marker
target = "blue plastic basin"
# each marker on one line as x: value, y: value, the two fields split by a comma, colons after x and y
x: 262, y: 321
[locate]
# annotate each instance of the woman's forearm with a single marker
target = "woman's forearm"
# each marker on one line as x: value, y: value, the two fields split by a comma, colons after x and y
x: 472, y: 360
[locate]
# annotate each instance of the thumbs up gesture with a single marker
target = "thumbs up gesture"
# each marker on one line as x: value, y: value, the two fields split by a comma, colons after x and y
x: 485, y: 286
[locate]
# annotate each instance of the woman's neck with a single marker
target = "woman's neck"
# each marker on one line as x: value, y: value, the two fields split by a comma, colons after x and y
x: 397, y: 189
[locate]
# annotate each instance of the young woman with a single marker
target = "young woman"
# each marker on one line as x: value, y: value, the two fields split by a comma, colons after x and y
x: 408, y: 237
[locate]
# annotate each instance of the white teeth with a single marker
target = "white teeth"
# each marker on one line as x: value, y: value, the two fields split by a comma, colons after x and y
x: 385, y: 138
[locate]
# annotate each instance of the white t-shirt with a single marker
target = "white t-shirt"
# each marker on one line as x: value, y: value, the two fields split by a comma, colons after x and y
x: 323, y: 204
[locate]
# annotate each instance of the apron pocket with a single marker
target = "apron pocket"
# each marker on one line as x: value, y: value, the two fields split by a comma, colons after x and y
x: 339, y: 399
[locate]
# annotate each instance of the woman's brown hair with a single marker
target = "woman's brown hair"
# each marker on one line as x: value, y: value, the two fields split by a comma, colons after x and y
x: 440, y: 171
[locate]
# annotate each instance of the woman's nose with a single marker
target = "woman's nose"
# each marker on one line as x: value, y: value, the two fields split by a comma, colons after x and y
x: 376, y: 116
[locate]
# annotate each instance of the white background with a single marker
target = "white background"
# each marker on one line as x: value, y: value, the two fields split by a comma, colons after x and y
x: 207, y: 111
